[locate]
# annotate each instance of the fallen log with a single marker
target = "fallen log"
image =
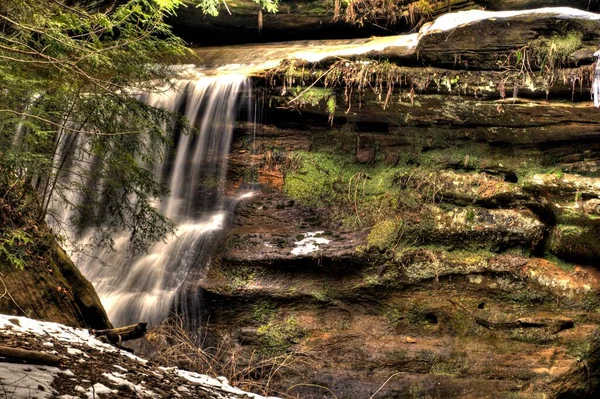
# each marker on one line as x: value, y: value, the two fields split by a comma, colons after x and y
x: 509, y: 324
x: 117, y: 335
x: 18, y: 355
x: 557, y: 324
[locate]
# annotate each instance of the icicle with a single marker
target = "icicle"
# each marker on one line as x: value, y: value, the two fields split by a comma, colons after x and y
x: 596, y: 82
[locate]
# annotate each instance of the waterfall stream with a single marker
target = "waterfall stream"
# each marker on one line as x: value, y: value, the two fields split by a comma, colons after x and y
x: 148, y: 287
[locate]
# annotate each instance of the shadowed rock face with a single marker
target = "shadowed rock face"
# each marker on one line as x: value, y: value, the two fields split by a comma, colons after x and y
x: 296, y: 20
x: 40, y: 281
x: 437, y: 238
x: 314, y: 20
x: 61, y: 294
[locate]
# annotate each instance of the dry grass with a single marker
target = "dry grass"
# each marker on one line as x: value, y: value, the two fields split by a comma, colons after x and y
x: 170, y: 344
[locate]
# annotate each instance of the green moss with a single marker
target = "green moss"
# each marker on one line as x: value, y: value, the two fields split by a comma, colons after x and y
x: 575, y: 243
x: 526, y: 297
x: 384, y: 234
x: 311, y: 95
x: 417, y: 390
x: 582, y: 349
x: 536, y: 337
x: 302, y: 97
x: 480, y: 156
x: 331, y: 106
x: 322, y: 294
x: 360, y: 194
x: 473, y: 256
x: 354, y: 191
x: 250, y: 175
x: 462, y: 324
x: 394, y: 316
x: 427, y: 357
x: 373, y: 280
x: 470, y: 215
x: 450, y: 368
x: 421, y: 315
x: 556, y: 50
x: 343, y: 323
x: 471, y: 156
x: 240, y: 276
x: 263, y: 311
x: 570, y: 231
x: 570, y: 216
x: 277, y: 337
x: 559, y: 262
x: 318, y: 180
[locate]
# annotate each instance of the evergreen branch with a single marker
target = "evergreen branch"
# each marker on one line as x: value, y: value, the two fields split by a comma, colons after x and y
x: 48, y: 121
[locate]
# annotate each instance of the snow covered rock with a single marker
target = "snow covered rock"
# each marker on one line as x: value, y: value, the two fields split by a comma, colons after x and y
x: 90, y: 368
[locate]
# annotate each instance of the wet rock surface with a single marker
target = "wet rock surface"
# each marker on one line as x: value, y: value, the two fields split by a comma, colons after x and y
x: 453, y: 223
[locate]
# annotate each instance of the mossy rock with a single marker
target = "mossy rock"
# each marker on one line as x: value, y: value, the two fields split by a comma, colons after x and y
x: 40, y: 279
x: 276, y: 337
x: 575, y: 243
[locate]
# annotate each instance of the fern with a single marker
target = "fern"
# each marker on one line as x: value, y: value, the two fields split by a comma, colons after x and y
x: 11, y: 247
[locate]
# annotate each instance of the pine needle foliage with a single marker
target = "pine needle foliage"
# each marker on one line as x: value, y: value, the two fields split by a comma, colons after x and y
x: 69, y: 74
x: 213, y: 7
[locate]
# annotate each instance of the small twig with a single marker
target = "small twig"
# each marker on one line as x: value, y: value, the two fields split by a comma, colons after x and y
x: 10, y: 296
x: 384, y: 384
x: 24, y: 114
x: 315, y: 386
x: 313, y: 83
x: 226, y: 7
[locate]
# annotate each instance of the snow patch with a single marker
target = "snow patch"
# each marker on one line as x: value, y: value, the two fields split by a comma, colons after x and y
x: 23, y: 381
x: 456, y: 19
x: 310, y: 243
x: 73, y: 351
x: 68, y: 373
x: 98, y: 389
x: 223, y: 380
x: 120, y: 368
x: 121, y: 381
x: 201, y: 379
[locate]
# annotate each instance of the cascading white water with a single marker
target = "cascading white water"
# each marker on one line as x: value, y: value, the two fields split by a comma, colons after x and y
x: 149, y: 286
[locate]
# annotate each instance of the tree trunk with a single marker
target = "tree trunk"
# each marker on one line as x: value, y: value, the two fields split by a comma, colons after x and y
x: 17, y: 355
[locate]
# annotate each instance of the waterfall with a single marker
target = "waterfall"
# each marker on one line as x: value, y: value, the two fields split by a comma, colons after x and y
x: 149, y: 286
